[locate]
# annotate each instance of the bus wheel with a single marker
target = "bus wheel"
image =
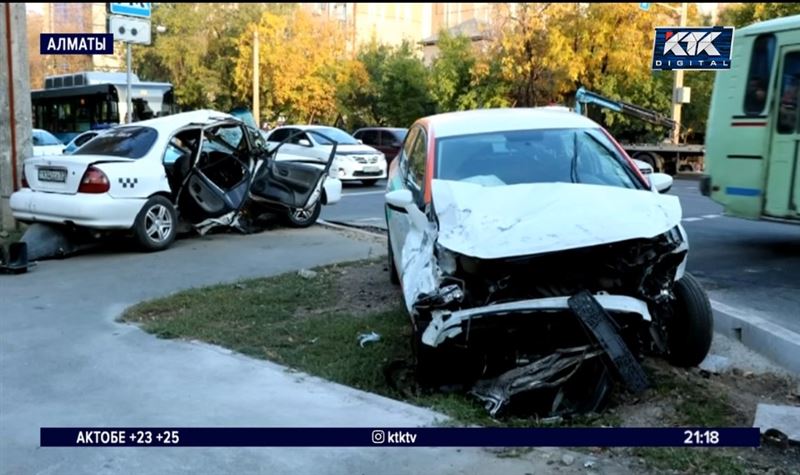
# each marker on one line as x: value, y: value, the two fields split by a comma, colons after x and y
x: 691, y: 328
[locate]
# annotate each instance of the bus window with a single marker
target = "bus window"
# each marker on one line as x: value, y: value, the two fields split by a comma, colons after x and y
x: 755, y: 97
x: 790, y: 81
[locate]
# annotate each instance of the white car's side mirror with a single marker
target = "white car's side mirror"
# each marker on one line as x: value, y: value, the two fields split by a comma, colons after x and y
x: 661, y: 182
x: 360, y: 142
x: 403, y: 199
x: 304, y: 142
x: 400, y: 198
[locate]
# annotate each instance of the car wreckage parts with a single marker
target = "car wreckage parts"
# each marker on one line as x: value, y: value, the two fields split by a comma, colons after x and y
x: 646, y: 268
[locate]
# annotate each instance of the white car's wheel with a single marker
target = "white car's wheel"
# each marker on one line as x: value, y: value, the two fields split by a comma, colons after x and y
x: 303, y: 218
x: 692, y: 328
x: 157, y: 224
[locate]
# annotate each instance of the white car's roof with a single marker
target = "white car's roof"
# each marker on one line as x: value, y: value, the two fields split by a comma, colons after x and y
x: 506, y: 119
x: 306, y: 127
x: 176, y: 121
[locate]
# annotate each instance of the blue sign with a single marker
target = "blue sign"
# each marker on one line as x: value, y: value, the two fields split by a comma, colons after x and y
x: 140, y: 10
x: 693, y: 48
x: 644, y: 6
x: 76, y: 43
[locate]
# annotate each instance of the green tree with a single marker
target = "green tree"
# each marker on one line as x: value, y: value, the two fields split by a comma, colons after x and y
x: 743, y: 14
x: 354, y: 95
x: 389, y: 88
x: 179, y: 55
x: 451, y: 73
x: 197, y: 52
x: 403, y: 88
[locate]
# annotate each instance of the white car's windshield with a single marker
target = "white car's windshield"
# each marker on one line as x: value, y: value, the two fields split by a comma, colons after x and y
x: 340, y: 136
x: 534, y: 156
x: 127, y: 142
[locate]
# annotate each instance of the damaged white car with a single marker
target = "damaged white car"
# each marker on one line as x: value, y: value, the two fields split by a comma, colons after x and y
x: 201, y: 168
x: 536, y: 261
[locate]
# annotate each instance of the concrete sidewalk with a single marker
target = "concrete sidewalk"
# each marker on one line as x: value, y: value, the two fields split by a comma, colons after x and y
x: 66, y: 362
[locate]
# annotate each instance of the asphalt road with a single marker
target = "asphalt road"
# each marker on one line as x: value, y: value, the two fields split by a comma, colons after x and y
x: 751, y: 266
x: 66, y: 362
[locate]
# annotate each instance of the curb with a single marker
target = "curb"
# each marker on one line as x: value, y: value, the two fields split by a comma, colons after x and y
x: 762, y: 336
x: 354, y: 229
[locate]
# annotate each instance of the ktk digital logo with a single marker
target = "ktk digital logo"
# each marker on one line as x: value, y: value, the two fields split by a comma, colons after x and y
x: 693, y: 48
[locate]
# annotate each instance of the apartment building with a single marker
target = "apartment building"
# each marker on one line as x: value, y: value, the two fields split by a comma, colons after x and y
x: 392, y: 23
x: 78, y: 18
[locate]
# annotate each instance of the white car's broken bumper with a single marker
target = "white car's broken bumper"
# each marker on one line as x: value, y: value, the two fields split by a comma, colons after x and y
x: 446, y: 324
x: 99, y: 211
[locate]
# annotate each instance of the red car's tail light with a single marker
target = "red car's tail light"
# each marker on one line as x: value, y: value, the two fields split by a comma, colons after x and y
x: 94, y: 181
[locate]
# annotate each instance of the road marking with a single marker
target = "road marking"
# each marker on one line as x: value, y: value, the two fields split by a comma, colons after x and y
x: 359, y: 193
x: 701, y: 218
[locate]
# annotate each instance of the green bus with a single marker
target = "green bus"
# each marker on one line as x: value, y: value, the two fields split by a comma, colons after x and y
x: 753, y: 130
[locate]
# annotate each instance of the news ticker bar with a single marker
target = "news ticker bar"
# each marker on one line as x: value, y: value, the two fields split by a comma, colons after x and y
x: 397, y: 437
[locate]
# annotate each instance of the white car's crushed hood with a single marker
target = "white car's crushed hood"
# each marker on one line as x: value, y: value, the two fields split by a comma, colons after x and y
x: 489, y: 222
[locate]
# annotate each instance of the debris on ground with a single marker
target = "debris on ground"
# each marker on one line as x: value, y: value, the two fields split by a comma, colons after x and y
x: 715, y: 364
x: 785, y: 419
x: 567, y: 459
x: 15, y: 260
x: 307, y: 274
x: 365, y: 338
x: 548, y: 372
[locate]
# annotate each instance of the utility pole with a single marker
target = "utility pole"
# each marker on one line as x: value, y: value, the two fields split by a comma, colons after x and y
x: 676, y: 100
x: 677, y: 89
x: 129, y: 114
x: 256, y: 105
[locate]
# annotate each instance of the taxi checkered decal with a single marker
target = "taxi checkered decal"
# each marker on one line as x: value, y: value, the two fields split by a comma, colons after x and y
x: 128, y: 182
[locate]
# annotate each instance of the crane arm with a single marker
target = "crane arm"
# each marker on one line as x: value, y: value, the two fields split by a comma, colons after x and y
x: 583, y: 97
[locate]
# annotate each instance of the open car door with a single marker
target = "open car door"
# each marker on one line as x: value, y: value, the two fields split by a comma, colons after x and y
x: 296, y: 185
x: 220, y: 177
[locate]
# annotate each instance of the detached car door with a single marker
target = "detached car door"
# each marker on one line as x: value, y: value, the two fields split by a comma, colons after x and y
x: 220, y: 177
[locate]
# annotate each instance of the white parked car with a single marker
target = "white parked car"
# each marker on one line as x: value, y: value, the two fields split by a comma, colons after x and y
x: 643, y: 167
x: 45, y: 143
x: 80, y: 139
x: 205, y: 167
x: 534, y: 257
x: 354, y: 161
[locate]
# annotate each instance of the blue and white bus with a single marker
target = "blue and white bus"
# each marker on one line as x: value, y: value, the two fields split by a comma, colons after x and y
x: 71, y: 104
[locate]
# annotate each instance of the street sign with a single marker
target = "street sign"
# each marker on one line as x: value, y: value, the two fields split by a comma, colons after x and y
x: 129, y: 29
x: 644, y: 6
x: 140, y: 10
